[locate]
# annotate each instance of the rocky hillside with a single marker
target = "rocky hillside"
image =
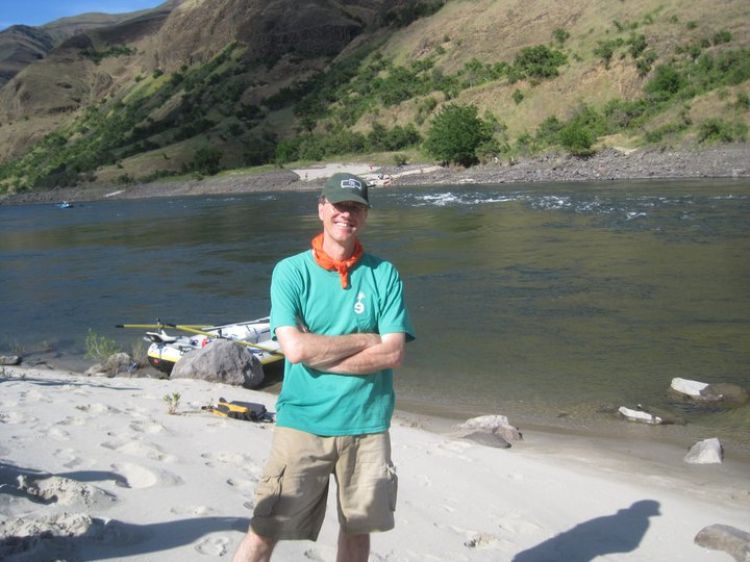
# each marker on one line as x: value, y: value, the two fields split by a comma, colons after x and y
x: 202, y: 85
x: 22, y: 45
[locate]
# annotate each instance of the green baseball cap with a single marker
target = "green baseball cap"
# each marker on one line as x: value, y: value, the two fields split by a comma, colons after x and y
x: 345, y: 187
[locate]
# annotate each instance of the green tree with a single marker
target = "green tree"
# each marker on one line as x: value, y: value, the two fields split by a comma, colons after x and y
x: 456, y: 133
x: 207, y: 160
x: 577, y: 138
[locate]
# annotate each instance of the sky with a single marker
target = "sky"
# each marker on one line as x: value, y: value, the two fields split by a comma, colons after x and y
x: 39, y: 12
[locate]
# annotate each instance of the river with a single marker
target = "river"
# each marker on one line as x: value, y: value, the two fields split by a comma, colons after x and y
x: 553, y: 304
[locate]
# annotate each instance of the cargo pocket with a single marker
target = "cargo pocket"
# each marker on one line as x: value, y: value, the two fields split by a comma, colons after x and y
x: 268, y: 492
x: 392, y: 485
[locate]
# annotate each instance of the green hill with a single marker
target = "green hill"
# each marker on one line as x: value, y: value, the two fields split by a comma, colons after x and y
x: 377, y: 78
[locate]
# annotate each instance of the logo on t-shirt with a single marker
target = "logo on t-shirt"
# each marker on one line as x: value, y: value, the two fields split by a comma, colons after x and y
x: 359, y: 306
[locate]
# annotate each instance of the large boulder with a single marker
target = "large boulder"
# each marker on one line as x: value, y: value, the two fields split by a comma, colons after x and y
x: 221, y: 361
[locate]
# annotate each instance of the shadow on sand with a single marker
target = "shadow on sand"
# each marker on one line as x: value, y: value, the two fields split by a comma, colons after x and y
x: 99, y: 539
x: 610, y: 534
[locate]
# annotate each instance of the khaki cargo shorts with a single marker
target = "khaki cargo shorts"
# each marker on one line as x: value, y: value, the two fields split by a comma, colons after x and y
x: 291, y: 496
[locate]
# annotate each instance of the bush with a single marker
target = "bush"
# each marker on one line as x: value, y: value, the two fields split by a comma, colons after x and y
x: 723, y: 36
x: 100, y: 348
x: 456, y: 133
x: 560, y: 35
x: 717, y: 130
x: 605, y: 50
x: 577, y: 139
x: 537, y: 62
x: 666, y: 82
x: 517, y: 96
x: 207, y: 160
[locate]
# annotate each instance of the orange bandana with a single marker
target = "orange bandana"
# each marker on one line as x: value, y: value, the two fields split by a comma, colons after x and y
x: 327, y: 262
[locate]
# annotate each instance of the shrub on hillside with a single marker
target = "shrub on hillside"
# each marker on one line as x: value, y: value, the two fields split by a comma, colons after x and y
x: 456, y: 133
x: 718, y: 130
x: 577, y: 139
x: 207, y: 160
x: 665, y: 83
x: 537, y: 62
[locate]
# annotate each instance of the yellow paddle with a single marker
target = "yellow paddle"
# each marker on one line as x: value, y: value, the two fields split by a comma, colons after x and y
x: 196, y: 329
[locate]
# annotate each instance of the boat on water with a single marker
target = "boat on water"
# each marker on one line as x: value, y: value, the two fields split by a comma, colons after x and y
x: 64, y: 205
x: 165, y: 349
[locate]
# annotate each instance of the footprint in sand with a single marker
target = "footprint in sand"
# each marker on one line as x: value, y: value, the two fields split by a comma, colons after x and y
x: 59, y: 434
x: 138, y: 476
x: 67, y: 457
x: 475, y: 539
x: 192, y: 510
x: 147, y: 426
x: 34, y: 396
x: 482, y: 540
x: 424, y: 480
x: 138, y: 448
x: 244, y: 486
x: 516, y: 524
x: 18, y: 418
x: 98, y: 409
x: 235, y: 459
x: 453, y: 450
x: 73, y: 420
x: 213, y: 546
x: 313, y: 555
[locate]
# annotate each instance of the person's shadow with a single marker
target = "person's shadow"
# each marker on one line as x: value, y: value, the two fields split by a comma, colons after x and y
x: 621, y: 532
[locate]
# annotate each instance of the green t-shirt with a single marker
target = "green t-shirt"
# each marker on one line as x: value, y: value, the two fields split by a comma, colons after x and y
x: 305, y: 294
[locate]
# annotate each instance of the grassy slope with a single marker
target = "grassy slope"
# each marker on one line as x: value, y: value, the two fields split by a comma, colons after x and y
x: 488, y: 30
x: 493, y: 30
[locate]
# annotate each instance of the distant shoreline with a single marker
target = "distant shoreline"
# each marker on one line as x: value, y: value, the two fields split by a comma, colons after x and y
x: 725, y: 161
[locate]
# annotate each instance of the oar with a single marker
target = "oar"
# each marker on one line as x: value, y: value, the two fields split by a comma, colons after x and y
x: 159, y: 326
x: 193, y: 330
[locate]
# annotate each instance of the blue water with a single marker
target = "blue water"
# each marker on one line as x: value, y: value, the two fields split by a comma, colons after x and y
x: 551, y: 303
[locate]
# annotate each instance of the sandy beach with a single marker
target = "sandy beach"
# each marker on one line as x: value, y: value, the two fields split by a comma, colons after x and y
x: 95, y: 468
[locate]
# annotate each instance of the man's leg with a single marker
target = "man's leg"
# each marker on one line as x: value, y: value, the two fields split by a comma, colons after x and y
x: 254, y: 548
x: 353, y: 548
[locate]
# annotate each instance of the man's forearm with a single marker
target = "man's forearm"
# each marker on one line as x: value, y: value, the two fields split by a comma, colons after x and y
x: 319, y: 351
x: 387, y: 354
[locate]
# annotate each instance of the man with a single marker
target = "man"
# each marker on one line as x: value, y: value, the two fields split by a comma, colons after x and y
x: 339, y: 316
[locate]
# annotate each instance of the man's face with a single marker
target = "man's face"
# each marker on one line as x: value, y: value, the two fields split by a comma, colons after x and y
x: 342, y: 221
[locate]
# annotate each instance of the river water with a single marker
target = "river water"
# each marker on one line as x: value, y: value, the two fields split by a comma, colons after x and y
x: 550, y: 303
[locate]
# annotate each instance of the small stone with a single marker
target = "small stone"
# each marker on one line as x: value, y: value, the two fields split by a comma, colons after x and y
x: 639, y: 416
x: 493, y: 424
x: 708, y: 451
x: 731, y: 540
x: 487, y: 439
x: 9, y: 360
